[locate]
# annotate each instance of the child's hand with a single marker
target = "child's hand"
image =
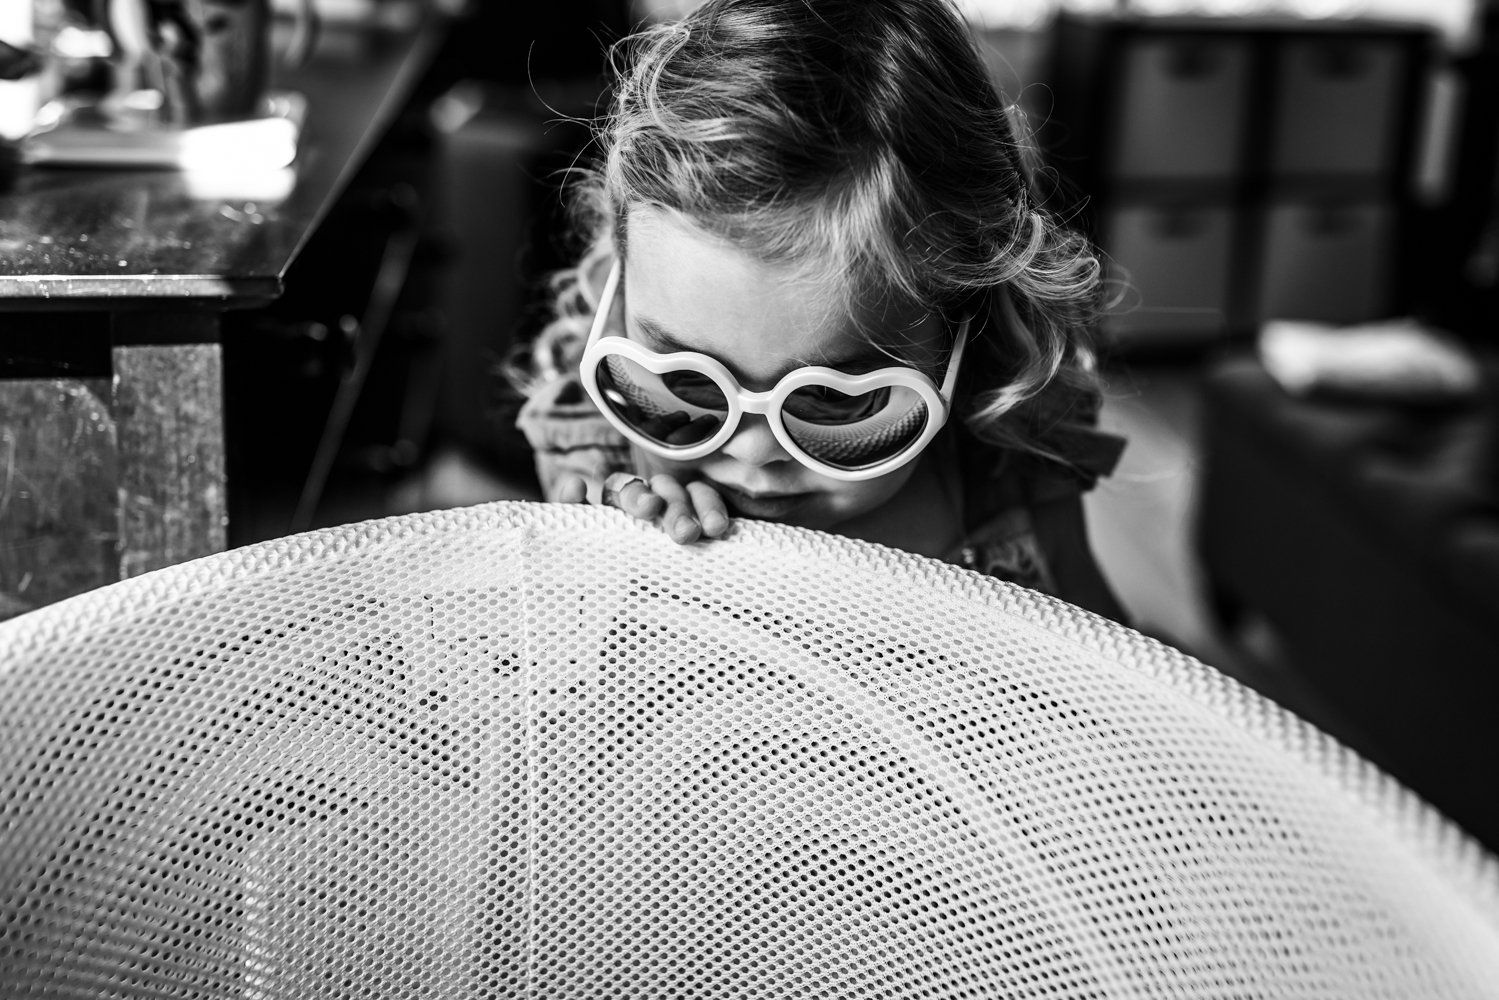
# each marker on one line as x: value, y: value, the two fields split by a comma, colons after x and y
x: 685, y: 512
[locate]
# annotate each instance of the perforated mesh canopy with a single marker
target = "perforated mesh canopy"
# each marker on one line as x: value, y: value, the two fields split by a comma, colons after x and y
x: 541, y: 750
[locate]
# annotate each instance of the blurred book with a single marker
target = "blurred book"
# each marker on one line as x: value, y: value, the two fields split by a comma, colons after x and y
x: 83, y: 135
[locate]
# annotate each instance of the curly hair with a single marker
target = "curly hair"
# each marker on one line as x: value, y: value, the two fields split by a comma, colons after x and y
x: 864, y: 144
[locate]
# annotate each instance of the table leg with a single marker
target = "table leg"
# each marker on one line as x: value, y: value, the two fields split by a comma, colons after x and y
x: 59, y: 527
x: 169, y: 414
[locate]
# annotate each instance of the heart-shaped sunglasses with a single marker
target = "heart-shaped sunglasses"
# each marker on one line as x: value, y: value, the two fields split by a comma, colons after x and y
x: 685, y: 405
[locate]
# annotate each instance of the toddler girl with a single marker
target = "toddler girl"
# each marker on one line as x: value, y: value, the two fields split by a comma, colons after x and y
x: 820, y: 289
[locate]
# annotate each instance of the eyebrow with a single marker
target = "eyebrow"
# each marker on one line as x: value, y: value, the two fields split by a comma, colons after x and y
x: 664, y: 341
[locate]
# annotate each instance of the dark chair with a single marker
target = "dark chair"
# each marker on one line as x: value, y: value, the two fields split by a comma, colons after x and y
x: 1367, y: 533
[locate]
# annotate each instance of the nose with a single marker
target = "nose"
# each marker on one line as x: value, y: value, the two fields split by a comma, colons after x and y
x: 754, y: 443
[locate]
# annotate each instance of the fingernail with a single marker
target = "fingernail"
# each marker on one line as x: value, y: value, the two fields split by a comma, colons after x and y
x: 714, y: 523
x: 683, y: 528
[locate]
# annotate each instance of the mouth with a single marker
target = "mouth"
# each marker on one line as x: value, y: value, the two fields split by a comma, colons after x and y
x: 767, y: 506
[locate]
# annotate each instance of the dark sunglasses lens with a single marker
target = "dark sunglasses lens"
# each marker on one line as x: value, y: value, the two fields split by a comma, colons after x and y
x: 677, y: 409
x: 854, y: 431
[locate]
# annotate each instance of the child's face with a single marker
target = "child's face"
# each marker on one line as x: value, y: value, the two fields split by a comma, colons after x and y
x: 688, y: 290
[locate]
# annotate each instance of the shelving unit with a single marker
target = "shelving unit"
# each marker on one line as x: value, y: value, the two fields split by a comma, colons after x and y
x: 1237, y: 171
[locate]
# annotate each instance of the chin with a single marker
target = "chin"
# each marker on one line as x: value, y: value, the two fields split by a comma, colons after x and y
x: 832, y: 509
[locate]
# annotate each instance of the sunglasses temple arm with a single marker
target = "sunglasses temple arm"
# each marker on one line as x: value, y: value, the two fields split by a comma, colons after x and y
x: 950, y: 380
x: 606, y: 302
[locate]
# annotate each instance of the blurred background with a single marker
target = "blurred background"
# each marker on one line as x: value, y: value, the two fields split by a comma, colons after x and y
x: 1296, y: 200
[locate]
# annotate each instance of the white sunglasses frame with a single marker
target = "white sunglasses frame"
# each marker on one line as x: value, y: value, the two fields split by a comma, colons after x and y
x: 767, y: 404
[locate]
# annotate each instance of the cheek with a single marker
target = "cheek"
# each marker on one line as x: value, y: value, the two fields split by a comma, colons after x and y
x: 845, y: 501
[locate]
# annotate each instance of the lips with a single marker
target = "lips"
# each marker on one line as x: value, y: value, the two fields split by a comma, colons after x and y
x: 767, y: 506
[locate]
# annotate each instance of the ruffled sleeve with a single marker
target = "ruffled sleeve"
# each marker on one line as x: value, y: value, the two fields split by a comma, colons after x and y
x: 569, y: 435
x: 1070, y: 455
x: 1084, y: 456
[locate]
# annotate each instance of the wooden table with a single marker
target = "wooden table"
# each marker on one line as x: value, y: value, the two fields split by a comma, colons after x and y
x: 114, y: 286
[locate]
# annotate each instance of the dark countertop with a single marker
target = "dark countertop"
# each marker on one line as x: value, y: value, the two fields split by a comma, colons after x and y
x: 94, y: 238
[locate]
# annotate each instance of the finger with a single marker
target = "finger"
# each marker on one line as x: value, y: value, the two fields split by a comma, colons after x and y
x: 712, y: 512
x: 630, y: 494
x: 609, y: 495
x: 678, y: 520
x: 572, y: 489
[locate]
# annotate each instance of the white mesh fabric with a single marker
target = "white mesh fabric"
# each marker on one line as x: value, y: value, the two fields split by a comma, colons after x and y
x: 542, y: 750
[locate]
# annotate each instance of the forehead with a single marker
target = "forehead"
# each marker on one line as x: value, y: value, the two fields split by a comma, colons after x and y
x: 759, y: 318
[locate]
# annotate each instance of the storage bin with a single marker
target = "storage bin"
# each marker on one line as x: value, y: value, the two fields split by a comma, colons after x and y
x: 1181, y: 110
x: 1325, y: 261
x: 1170, y: 268
x: 1339, y: 104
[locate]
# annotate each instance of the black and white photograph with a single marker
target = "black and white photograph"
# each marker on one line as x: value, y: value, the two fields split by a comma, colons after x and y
x: 434, y: 564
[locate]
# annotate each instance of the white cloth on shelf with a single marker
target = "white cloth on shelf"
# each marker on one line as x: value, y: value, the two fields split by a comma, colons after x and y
x: 1392, y: 359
